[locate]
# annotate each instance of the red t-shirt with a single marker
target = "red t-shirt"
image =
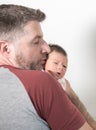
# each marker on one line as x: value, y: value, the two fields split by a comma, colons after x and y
x: 50, y: 100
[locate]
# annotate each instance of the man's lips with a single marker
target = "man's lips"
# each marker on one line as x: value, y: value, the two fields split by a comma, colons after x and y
x: 43, y: 61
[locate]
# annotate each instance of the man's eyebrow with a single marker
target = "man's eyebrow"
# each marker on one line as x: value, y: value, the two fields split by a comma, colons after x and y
x: 36, y: 38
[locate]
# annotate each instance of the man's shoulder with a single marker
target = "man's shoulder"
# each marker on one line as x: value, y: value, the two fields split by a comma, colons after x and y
x: 36, y: 75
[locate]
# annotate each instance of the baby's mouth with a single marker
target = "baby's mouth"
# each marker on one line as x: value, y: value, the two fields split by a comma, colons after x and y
x: 58, y: 74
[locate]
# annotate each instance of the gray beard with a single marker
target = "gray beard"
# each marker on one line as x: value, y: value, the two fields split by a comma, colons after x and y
x: 30, y: 66
x: 36, y: 67
x: 24, y: 64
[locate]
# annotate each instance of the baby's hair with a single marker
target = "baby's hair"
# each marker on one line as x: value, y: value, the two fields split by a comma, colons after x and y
x: 57, y: 48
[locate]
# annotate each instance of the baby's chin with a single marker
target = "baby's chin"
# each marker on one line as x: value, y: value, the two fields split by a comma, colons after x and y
x: 58, y: 75
x: 57, y: 78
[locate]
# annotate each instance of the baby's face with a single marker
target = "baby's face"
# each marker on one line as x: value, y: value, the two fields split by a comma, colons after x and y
x: 56, y: 64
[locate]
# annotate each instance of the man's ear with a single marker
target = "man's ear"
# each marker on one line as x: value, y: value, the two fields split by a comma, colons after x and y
x: 4, y: 49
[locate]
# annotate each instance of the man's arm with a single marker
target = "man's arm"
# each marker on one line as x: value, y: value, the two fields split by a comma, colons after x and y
x: 51, y: 102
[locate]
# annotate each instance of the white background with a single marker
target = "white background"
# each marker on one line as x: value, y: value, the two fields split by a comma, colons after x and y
x: 72, y: 24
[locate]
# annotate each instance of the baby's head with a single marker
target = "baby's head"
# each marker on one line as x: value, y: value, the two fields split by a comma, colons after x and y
x: 57, y: 61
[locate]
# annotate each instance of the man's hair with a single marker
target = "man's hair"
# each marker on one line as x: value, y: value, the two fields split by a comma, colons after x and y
x: 57, y: 48
x: 14, y: 17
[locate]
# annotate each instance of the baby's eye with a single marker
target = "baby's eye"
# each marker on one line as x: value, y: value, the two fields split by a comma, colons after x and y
x: 55, y: 63
x: 64, y: 66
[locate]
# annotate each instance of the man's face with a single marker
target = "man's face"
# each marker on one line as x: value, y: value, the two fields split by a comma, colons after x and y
x: 30, y: 48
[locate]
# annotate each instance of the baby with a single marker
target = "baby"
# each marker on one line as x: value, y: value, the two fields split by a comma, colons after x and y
x: 56, y: 64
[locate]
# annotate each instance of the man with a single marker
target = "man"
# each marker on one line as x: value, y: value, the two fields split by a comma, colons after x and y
x: 30, y: 99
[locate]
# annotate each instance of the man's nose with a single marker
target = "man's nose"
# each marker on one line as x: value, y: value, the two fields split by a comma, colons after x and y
x: 46, y: 47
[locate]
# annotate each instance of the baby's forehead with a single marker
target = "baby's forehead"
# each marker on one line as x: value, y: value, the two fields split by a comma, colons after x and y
x: 57, y: 53
x: 57, y: 56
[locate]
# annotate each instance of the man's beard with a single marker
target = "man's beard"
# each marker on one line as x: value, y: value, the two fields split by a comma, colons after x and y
x: 30, y: 66
x: 36, y: 67
x: 25, y: 64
